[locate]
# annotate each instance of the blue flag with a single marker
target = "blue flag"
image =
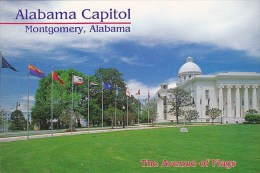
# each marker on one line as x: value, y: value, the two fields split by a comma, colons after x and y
x: 5, y: 64
x: 35, y: 71
x: 107, y: 86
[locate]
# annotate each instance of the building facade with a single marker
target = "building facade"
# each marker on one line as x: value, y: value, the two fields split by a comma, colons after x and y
x: 233, y: 93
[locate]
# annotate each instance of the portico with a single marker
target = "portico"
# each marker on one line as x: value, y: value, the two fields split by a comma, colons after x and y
x: 244, y: 97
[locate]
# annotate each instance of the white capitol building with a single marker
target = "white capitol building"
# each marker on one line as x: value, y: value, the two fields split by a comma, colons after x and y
x: 232, y: 92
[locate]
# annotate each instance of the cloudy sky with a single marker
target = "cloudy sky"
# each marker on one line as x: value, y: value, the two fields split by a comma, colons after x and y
x: 221, y: 36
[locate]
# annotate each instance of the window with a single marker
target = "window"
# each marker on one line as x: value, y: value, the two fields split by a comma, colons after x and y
x: 206, y: 94
x: 207, y: 110
x: 165, y: 116
x: 164, y: 101
x: 165, y: 110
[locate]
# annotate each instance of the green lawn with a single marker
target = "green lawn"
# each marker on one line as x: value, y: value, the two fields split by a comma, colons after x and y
x: 123, y: 151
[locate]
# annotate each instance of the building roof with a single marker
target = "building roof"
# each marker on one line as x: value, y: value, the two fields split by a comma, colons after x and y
x: 229, y: 77
x: 189, y: 66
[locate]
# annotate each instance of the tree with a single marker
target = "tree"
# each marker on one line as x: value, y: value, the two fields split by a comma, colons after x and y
x: 213, y: 113
x: 2, y: 119
x: 114, y: 77
x: 251, y: 111
x: 180, y: 98
x: 149, y: 107
x: 252, y: 116
x: 41, y: 112
x: 109, y: 116
x: 133, y: 105
x: 65, y: 119
x: 17, y: 121
x: 191, y: 115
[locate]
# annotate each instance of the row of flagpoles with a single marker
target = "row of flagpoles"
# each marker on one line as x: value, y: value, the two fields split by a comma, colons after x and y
x: 32, y: 70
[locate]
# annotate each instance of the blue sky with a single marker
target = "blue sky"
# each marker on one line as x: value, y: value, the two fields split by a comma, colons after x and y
x: 220, y: 36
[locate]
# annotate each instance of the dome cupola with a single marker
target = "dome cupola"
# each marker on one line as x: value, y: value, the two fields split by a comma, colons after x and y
x: 189, y: 66
x: 188, y: 71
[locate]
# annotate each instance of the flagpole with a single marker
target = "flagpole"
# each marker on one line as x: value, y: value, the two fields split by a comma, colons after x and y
x: 115, y: 107
x: 88, y: 103
x: 52, y: 103
x: 138, y: 110
x: 148, y: 111
x: 1, y: 65
x: 71, y: 103
x: 201, y: 104
x: 126, y: 111
x: 102, y: 104
x: 28, y: 93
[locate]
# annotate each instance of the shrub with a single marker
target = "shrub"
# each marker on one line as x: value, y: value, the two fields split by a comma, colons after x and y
x: 252, y: 118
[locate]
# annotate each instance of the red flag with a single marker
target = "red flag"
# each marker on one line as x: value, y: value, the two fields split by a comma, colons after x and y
x: 128, y: 93
x: 57, y: 78
x: 77, y: 80
x: 138, y: 92
x: 92, y: 84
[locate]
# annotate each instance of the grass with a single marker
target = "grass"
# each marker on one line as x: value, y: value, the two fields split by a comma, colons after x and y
x: 123, y: 151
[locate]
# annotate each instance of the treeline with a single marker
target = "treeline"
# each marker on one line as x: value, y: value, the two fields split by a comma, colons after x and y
x: 62, y: 101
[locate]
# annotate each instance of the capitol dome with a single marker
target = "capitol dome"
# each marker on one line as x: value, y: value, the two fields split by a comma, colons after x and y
x: 189, y: 66
x: 188, y: 71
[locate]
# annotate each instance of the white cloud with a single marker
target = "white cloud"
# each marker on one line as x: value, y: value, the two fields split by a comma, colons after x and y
x: 225, y: 24
x: 24, y: 103
x: 134, y: 85
x: 131, y: 60
x: 10, y: 103
x: 25, y: 98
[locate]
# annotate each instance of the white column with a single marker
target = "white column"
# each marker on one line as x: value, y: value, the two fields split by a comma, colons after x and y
x: 202, y: 109
x: 254, y: 97
x: 238, y: 101
x: 246, y: 98
x: 229, y: 101
x: 220, y: 98
x: 220, y: 101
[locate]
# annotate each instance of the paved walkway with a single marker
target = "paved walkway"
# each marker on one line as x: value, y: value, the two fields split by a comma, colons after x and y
x: 19, y: 138
x: 141, y: 126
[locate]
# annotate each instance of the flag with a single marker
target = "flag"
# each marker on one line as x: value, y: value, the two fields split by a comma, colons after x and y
x: 77, y: 80
x: 138, y: 92
x: 92, y: 84
x: 5, y: 64
x: 57, y: 78
x: 35, y: 72
x: 127, y: 92
x: 117, y: 90
x: 107, y: 86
